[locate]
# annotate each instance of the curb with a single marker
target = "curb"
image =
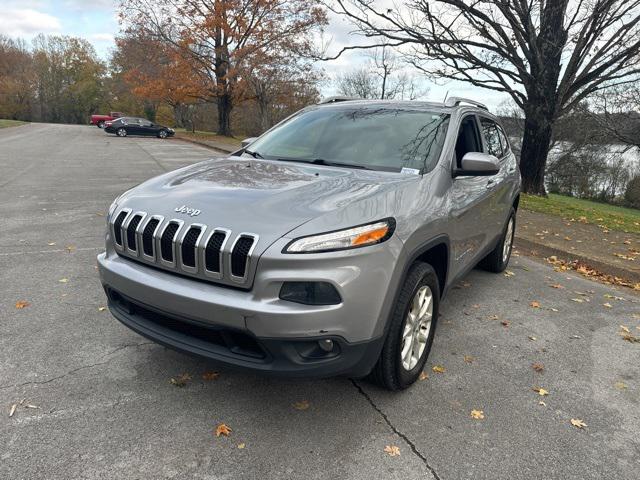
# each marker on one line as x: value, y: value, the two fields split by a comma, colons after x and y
x: 206, y: 145
x: 537, y: 249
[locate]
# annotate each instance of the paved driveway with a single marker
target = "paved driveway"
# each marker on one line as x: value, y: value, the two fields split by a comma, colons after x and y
x: 106, y: 407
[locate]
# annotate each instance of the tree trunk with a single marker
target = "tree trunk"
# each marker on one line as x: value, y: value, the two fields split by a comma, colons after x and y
x: 224, y: 114
x: 536, y: 143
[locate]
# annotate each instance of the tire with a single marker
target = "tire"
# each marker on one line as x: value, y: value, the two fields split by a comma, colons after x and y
x: 394, y: 371
x: 121, y: 132
x: 498, y: 259
x: 162, y: 134
x: 100, y: 124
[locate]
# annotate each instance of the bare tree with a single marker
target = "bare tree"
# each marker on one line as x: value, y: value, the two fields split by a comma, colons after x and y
x: 547, y: 55
x: 358, y: 83
x: 616, y: 111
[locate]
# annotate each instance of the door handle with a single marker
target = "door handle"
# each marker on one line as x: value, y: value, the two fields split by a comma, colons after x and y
x: 490, y: 183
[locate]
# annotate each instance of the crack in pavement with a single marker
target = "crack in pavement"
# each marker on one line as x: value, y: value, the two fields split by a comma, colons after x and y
x: 83, y: 367
x: 396, y: 431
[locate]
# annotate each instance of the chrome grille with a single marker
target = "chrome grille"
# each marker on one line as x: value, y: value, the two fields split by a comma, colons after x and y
x: 195, y: 249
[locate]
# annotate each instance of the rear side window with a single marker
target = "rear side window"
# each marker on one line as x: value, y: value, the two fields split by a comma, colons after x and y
x: 492, y: 137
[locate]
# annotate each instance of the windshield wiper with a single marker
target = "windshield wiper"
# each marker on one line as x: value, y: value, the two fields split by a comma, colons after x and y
x: 328, y: 163
x: 253, y: 154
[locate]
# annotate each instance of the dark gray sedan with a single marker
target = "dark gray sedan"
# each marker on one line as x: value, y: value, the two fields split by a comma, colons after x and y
x: 137, y: 126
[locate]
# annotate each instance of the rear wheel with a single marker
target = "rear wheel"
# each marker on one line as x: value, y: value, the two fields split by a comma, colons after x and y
x: 411, y: 331
x: 100, y: 124
x: 498, y: 259
x: 121, y: 132
x: 162, y: 134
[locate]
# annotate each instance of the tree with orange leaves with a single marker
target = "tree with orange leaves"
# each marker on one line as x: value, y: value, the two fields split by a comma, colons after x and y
x: 225, y: 39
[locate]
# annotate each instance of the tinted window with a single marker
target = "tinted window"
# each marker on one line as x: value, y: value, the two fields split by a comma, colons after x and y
x: 145, y: 123
x: 491, y: 137
x: 503, y: 141
x: 468, y: 139
x: 385, y: 138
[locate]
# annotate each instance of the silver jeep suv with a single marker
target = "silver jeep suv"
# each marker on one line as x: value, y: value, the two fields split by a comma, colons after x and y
x: 323, y: 247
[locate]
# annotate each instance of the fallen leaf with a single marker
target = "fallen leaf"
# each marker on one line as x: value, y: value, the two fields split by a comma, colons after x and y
x: 392, y: 450
x: 102, y: 309
x: 12, y: 410
x: 424, y: 375
x: 223, y: 429
x: 532, y: 338
x: 541, y: 391
x: 556, y: 285
x: 468, y: 359
x: 477, y: 414
x: 20, y: 304
x: 625, y: 329
x: 554, y: 309
x: 535, y: 304
x: 509, y: 273
x: 537, y: 366
x: 578, y: 423
x: 51, y: 244
x: 438, y: 369
x: 70, y: 248
x: 241, y: 446
x: 578, y: 300
x: 620, y: 385
x: 505, y: 323
x: 541, y: 402
x: 210, y: 375
x: 607, y: 305
x: 28, y: 405
x: 302, y: 405
x: 181, y: 380
x: 63, y: 280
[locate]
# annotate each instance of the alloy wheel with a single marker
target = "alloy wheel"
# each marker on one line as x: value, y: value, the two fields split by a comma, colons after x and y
x: 417, y: 327
x: 508, y: 242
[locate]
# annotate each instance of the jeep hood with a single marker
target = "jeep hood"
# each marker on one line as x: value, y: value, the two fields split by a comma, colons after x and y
x: 268, y: 198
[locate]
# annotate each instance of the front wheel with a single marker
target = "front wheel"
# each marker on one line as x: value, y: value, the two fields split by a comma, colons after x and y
x: 498, y: 259
x: 162, y: 134
x: 100, y: 124
x: 411, y: 330
x: 121, y: 132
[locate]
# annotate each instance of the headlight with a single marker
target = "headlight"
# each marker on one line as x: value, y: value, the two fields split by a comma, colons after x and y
x: 355, y: 237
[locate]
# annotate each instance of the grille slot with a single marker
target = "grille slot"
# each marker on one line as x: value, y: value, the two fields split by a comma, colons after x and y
x: 166, y: 243
x: 117, y: 227
x: 189, y: 246
x: 131, y: 232
x: 240, y: 255
x: 147, y: 236
x: 212, y: 252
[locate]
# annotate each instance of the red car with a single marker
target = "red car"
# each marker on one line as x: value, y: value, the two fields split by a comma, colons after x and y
x: 100, y: 120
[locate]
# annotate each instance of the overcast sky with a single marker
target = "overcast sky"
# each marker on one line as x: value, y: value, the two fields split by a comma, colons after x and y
x: 96, y: 21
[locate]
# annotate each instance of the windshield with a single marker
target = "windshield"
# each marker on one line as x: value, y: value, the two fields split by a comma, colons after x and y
x: 381, y: 138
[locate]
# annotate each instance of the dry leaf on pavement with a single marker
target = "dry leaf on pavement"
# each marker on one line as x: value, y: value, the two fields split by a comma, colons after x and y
x: 438, y: 369
x: 424, y: 375
x: 392, y: 450
x: 620, y: 385
x: 477, y: 414
x: 607, y: 305
x: 20, y: 304
x: 210, y: 375
x: 576, y: 422
x: 537, y: 366
x: 535, y: 304
x: 181, y: 380
x: 468, y: 359
x: 63, y: 280
x: 102, y: 309
x: 302, y: 405
x: 223, y: 429
x: 541, y: 391
x: 241, y: 446
x: 13, y: 409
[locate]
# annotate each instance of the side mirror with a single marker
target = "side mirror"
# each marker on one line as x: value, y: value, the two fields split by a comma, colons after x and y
x: 248, y: 141
x: 475, y: 164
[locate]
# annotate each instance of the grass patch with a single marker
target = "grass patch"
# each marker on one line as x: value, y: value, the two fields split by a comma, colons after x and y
x: 232, y: 142
x: 577, y: 209
x: 10, y: 123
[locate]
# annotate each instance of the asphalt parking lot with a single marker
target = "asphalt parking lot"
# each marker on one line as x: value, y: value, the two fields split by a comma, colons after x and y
x: 105, y: 406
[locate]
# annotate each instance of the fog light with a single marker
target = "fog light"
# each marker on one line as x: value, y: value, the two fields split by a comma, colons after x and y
x: 310, y: 293
x: 326, y: 344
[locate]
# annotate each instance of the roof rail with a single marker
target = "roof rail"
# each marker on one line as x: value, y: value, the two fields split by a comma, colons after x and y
x: 455, y: 101
x: 336, y: 100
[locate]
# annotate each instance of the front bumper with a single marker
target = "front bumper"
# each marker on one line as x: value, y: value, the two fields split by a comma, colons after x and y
x: 255, y: 329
